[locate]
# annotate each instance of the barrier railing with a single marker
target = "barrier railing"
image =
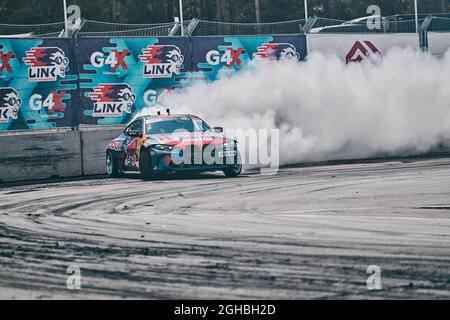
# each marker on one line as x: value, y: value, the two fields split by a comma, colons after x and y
x: 92, y: 28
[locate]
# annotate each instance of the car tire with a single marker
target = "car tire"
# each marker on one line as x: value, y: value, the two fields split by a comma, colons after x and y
x: 112, y: 166
x: 235, y: 170
x: 145, y: 165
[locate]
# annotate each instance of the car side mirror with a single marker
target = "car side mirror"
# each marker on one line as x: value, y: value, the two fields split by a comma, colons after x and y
x: 218, y: 129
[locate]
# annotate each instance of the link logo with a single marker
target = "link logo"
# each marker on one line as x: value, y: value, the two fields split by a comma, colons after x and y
x: 112, y: 100
x: 52, y: 102
x: 46, y: 64
x: 10, y: 103
x: 361, y: 51
x: 113, y: 59
x: 161, y: 61
x: 230, y: 57
x: 277, y: 51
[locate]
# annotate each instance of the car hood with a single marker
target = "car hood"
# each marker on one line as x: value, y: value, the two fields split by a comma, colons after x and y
x: 187, y: 138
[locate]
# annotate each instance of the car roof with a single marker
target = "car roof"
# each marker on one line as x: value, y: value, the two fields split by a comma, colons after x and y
x: 169, y: 116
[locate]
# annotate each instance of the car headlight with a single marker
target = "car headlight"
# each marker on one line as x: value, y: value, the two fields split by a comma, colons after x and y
x: 230, y: 144
x: 162, y: 147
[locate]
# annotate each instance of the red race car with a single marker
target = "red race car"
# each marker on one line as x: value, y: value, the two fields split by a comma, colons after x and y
x: 172, y: 143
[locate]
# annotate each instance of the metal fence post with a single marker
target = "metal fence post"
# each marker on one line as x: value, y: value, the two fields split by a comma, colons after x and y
x: 309, y: 24
x: 192, y: 25
x: 423, y: 33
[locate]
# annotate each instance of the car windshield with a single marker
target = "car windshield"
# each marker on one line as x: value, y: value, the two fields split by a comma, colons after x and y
x: 172, y: 125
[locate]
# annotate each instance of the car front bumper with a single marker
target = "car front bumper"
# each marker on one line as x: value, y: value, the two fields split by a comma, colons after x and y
x: 171, y: 161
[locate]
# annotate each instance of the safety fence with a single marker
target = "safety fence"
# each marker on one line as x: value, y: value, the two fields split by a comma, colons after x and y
x: 197, y: 27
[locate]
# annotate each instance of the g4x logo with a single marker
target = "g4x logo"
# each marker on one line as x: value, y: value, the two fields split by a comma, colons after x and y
x: 4, y: 62
x: 113, y: 59
x: 52, y: 102
x: 230, y: 57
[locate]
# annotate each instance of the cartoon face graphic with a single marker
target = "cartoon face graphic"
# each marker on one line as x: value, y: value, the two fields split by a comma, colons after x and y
x: 127, y: 96
x: 49, y: 57
x: 161, y: 61
x: 176, y: 60
x: 277, y: 51
x: 289, y: 52
x: 114, y: 94
x: 10, y: 102
x: 58, y: 59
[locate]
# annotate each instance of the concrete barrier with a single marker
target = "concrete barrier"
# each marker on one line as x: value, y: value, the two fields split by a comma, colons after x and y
x: 62, y: 153
x: 93, y: 143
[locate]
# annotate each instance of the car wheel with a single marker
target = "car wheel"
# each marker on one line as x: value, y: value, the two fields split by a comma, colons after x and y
x: 145, y: 165
x: 112, y: 166
x: 235, y: 170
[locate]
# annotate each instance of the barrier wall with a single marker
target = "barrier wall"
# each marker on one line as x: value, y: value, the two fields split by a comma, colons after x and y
x: 66, y: 82
x: 93, y: 149
x: 438, y: 43
x: 43, y: 155
x: 40, y: 156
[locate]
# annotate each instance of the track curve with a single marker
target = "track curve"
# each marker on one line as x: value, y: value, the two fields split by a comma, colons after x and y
x: 304, y: 233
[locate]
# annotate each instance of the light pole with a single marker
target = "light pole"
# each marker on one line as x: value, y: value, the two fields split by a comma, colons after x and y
x: 181, y: 17
x: 258, y: 12
x: 306, y: 10
x: 417, y: 16
x: 66, y: 22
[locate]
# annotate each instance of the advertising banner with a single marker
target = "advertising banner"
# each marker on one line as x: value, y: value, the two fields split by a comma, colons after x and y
x: 357, y: 47
x: 66, y: 82
x: 120, y: 77
x: 38, y: 80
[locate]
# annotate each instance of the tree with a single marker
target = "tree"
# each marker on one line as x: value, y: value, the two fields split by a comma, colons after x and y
x: 155, y: 11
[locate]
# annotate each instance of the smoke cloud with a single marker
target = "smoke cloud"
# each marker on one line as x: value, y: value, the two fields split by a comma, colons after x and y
x: 327, y: 110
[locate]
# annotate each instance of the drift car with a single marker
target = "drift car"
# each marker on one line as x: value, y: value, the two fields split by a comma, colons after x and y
x: 172, y: 143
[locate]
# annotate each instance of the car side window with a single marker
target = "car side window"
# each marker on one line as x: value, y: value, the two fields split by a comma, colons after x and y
x: 201, y: 125
x: 135, y: 126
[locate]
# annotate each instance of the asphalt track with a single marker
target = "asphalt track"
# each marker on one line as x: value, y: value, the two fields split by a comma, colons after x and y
x: 308, y: 232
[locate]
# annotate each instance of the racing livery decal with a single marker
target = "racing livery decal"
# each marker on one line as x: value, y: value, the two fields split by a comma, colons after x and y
x: 10, y: 103
x: 46, y: 64
x: 131, y: 151
x: 112, y: 100
x: 161, y: 61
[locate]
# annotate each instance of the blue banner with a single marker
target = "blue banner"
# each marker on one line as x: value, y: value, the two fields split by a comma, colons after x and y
x: 65, y: 82
x: 38, y: 81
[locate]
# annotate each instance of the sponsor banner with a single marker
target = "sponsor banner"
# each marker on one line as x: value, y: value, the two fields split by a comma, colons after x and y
x: 121, y: 76
x: 358, y: 47
x: 38, y: 80
x: 212, y: 54
x: 438, y: 43
x: 54, y: 83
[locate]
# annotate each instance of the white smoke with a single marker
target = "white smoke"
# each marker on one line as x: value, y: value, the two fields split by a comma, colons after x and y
x: 327, y: 110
